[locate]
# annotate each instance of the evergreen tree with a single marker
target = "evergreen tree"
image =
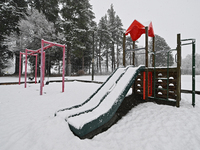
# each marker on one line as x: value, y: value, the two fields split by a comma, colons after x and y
x: 103, y: 40
x: 161, y: 48
x: 10, y: 13
x: 129, y: 55
x: 112, y: 28
x: 186, y: 65
x: 119, y: 38
x: 48, y: 7
x: 76, y: 21
x: 33, y: 28
x: 110, y: 33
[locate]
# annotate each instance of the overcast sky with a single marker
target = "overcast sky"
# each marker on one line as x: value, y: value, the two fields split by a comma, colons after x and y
x: 168, y: 17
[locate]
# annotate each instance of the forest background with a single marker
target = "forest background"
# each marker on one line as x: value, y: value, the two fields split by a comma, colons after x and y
x: 25, y: 22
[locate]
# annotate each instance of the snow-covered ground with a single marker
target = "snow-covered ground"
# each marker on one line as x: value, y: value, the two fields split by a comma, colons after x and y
x: 27, y: 120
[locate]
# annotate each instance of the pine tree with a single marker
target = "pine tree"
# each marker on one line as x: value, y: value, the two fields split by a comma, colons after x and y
x: 119, y: 39
x: 76, y: 21
x: 186, y: 66
x: 33, y: 28
x: 10, y: 13
x: 112, y: 28
x: 48, y: 7
x: 110, y: 33
x: 104, y: 37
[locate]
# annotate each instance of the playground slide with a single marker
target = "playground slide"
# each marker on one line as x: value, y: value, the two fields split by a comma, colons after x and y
x: 93, y: 101
x: 83, y: 123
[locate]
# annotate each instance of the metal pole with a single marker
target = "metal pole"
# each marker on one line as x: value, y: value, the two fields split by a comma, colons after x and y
x: 35, y: 69
x: 178, y: 70
x: 63, y: 74
x: 41, y: 67
x: 25, y: 67
x: 193, y: 73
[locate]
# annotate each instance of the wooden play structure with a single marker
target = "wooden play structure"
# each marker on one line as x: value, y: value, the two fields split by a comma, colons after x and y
x: 159, y: 84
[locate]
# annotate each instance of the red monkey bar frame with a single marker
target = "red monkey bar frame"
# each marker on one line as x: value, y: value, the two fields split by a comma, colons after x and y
x: 42, y: 66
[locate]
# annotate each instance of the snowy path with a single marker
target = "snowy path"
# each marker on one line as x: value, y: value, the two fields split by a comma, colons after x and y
x: 28, y: 122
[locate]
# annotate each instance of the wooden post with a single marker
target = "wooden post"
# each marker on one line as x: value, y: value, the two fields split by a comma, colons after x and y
x: 153, y: 65
x: 124, y: 52
x: 178, y: 70
x: 146, y: 63
x: 133, y: 65
x: 153, y: 50
x: 133, y: 53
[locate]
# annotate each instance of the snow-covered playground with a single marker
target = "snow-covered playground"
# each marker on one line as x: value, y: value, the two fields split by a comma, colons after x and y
x: 28, y: 122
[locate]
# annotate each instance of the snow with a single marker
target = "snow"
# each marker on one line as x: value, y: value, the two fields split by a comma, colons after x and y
x: 80, y: 120
x: 95, y: 100
x: 28, y: 122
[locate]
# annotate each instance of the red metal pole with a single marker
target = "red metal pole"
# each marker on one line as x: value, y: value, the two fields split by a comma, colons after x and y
x: 54, y: 44
x: 20, y: 63
x: 41, y: 67
x: 25, y: 67
x: 39, y: 50
x: 63, y: 75
x: 35, y: 69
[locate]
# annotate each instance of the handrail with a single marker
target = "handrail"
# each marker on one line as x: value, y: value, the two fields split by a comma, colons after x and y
x: 133, y: 50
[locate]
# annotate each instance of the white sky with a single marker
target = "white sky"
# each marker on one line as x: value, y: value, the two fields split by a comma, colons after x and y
x: 168, y: 17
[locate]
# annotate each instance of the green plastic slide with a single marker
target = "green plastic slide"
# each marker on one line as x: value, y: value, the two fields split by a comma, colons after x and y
x: 82, y: 123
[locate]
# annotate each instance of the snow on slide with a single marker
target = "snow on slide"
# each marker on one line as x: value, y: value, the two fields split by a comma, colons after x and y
x: 97, y: 97
x: 85, y: 123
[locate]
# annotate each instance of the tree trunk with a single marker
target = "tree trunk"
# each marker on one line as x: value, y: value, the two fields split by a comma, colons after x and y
x: 100, y: 55
x: 59, y: 67
x: 117, y: 54
x: 113, y: 57
x: 82, y: 59
x: 97, y: 58
x: 107, y: 58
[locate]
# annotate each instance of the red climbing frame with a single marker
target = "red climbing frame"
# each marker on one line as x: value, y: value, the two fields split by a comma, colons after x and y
x: 43, y: 63
x: 42, y: 66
